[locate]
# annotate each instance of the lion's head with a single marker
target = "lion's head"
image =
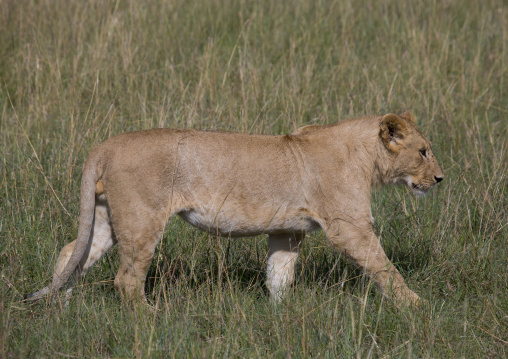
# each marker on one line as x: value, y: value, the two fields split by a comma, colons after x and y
x: 410, y: 155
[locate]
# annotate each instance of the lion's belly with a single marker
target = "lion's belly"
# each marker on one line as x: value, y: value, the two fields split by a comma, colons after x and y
x: 238, y: 224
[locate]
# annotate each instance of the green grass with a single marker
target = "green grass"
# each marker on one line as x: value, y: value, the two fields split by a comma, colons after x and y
x: 74, y: 73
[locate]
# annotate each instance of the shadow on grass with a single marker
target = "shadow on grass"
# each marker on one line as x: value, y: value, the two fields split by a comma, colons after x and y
x: 243, y: 263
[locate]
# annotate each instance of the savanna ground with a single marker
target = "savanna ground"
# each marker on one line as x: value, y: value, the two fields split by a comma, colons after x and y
x: 74, y: 73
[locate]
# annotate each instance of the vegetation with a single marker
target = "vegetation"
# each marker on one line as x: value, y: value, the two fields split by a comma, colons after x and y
x: 73, y: 73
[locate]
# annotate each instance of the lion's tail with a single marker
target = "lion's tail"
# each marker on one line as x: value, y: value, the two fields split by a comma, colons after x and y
x: 86, y: 219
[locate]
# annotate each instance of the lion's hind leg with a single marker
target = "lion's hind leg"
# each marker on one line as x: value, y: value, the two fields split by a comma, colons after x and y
x: 101, y: 240
x: 282, y: 255
x: 137, y: 237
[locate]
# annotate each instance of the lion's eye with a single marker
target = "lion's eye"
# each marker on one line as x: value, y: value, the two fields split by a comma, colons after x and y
x: 423, y: 153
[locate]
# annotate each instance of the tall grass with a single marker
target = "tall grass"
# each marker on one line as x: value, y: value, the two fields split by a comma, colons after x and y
x: 74, y: 73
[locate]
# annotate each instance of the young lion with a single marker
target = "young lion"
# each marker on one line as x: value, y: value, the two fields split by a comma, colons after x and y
x: 239, y: 185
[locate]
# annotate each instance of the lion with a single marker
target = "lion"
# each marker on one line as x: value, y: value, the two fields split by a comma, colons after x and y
x: 241, y: 185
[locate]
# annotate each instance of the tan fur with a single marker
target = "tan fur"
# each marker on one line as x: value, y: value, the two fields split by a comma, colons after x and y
x: 231, y: 184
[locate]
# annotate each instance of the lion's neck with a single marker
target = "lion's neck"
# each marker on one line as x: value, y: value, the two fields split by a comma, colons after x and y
x: 359, y: 140
x: 383, y: 172
x: 374, y: 158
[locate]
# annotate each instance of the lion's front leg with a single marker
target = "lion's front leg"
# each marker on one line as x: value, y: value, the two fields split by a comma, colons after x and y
x: 282, y: 255
x: 360, y: 244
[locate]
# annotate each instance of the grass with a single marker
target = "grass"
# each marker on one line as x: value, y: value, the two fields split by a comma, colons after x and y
x: 74, y: 73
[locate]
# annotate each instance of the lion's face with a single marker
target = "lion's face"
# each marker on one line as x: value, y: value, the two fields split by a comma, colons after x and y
x: 413, y: 161
x: 417, y: 165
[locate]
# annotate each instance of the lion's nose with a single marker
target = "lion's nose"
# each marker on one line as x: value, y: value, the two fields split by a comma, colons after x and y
x: 438, y: 179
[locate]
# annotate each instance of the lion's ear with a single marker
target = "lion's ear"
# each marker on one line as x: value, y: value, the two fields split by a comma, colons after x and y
x: 408, y: 115
x: 393, y: 131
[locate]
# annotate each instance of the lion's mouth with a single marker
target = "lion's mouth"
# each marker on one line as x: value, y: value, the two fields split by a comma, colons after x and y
x: 419, y: 189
